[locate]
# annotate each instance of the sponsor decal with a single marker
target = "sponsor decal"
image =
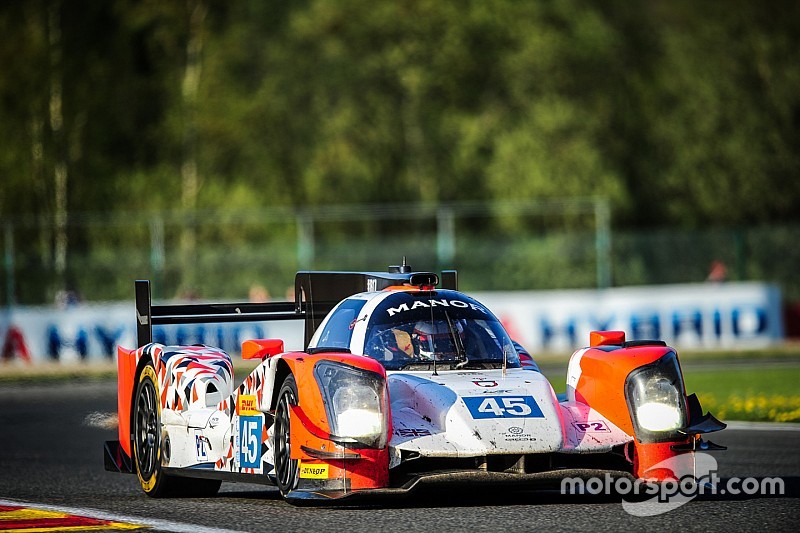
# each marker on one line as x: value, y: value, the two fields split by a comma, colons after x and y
x: 246, y: 405
x: 314, y: 471
x: 485, y: 383
x: 201, y: 442
x: 503, y: 407
x: 404, y: 307
x: 592, y: 426
x: 250, y: 441
x: 412, y: 432
x: 517, y: 434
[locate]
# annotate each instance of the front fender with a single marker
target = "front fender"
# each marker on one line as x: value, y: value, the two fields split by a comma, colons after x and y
x: 352, y: 466
x: 597, y: 377
x: 302, y: 365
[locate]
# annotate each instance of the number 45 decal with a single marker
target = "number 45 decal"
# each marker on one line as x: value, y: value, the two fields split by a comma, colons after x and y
x: 503, y: 407
x: 250, y: 441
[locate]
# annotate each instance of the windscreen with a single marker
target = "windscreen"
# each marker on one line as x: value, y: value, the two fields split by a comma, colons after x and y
x: 414, y: 329
x: 339, y: 328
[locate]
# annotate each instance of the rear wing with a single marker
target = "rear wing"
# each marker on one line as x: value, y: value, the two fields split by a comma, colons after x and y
x: 316, y: 294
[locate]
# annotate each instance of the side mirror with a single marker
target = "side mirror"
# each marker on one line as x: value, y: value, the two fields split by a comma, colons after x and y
x: 261, y: 348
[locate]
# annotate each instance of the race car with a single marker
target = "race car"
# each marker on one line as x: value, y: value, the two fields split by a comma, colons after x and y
x: 404, y: 381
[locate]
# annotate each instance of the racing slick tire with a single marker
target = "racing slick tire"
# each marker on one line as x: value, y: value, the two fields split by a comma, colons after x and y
x: 287, y: 470
x: 147, y: 445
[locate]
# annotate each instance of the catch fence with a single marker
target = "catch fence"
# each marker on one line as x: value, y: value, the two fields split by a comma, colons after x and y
x: 556, y: 244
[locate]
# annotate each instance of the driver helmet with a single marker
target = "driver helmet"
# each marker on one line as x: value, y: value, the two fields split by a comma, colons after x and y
x: 434, y: 338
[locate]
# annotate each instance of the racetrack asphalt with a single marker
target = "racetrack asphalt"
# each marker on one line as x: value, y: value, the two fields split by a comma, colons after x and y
x: 51, y: 454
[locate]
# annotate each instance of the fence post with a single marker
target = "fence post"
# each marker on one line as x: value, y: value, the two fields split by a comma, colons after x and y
x: 157, y: 253
x: 8, y: 235
x: 740, y: 252
x: 305, y: 239
x: 445, y: 237
x: 602, y: 215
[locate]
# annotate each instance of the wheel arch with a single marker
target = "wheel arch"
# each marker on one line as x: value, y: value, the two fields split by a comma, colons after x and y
x: 283, y: 369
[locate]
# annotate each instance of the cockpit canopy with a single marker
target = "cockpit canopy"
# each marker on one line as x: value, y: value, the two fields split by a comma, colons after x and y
x: 412, y: 330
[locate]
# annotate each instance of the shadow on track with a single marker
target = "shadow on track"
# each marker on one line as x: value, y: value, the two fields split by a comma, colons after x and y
x: 461, y: 496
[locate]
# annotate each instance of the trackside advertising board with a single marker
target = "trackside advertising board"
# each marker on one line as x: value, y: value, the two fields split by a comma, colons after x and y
x: 91, y: 332
x: 696, y: 316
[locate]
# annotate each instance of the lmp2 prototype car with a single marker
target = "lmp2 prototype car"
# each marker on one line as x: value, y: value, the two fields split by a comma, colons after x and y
x: 404, y: 381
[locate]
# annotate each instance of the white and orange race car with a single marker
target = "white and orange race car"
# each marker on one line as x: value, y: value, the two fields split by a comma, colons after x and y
x: 404, y: 381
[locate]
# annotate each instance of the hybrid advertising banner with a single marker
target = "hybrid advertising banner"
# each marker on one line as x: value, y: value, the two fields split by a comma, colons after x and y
x: 694, y: 316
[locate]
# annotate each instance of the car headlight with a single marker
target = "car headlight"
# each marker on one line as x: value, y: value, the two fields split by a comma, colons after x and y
x: 355, y: 402
x: 656, y: 400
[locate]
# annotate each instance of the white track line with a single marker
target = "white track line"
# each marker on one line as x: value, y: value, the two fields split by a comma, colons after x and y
x: 164, y: 525
x: 764, y: 426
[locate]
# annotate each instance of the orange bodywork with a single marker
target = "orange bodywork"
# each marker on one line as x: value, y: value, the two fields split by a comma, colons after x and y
x: 261, y: 348
x: 606, y: 338
x: 602, y: 385
x: 602, y: 381
x: 311, y: 442
x: 647, y: 456
x: 126, y: 376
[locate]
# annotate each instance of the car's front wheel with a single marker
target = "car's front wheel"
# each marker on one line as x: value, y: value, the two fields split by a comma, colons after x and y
x: 287, y: 470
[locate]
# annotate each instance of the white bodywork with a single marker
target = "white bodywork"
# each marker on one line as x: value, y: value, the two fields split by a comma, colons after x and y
x: 196, y: 437
x: 475, y: 413
x: 472, y: 413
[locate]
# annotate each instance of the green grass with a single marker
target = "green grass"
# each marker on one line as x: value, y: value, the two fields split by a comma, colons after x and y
x: 748, y: 380
x: 769, y: 393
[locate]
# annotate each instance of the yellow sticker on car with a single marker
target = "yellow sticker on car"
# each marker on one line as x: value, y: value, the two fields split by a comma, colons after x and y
x: 246, y: 405
x: 314, y: 471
